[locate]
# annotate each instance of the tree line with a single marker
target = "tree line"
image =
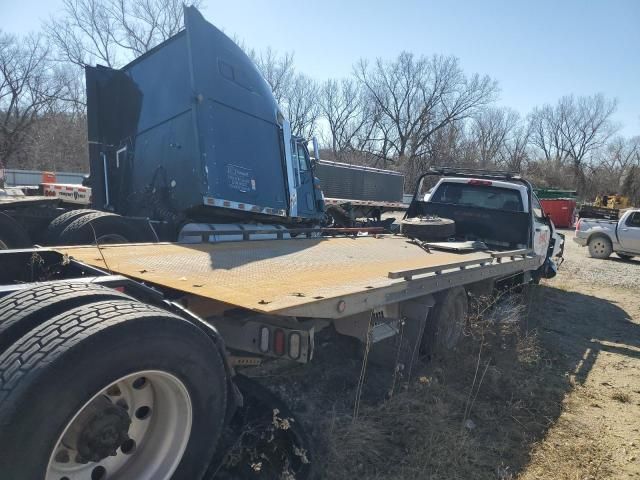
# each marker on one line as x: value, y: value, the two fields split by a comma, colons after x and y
x: 405, y: 113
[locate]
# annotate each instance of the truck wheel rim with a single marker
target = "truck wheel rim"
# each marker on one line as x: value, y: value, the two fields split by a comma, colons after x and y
x: 159, y: 409
x: 599, y: 247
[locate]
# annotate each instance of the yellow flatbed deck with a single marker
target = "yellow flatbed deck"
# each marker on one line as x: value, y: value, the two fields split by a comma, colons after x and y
x: 271, y: 276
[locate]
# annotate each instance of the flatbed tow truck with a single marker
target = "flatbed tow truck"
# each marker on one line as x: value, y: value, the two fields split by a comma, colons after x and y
x: 121, y: 361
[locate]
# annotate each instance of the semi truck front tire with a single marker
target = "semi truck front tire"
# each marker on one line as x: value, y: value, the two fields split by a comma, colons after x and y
x: 115, y: 390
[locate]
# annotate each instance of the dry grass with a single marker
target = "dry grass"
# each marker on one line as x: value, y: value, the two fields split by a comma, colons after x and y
x: 488, y: 411
x: 469, y: 416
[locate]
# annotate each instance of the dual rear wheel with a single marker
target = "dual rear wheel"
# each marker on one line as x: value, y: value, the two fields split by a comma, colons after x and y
x: 105, y: 387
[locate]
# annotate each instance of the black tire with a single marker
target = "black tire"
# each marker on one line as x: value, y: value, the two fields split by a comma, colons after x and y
x: 58, y: 224
x: 624, y: 256
x: 446, y: 322
x: 600, y: 247
x: 22, y: 311
x: 428, y: 229
x: 253, y: 433
x: 12, y: 235
x: 48, y: 376
x: 338, y: 217
x: 102, y: 226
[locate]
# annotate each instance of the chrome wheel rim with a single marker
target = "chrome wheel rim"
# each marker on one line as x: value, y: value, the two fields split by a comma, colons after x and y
x: 159, y: 409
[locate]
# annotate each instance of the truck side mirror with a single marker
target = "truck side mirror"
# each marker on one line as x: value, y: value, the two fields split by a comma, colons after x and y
x: 316, y: 152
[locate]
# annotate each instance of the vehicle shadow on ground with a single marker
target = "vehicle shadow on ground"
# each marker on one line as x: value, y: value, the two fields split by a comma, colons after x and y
x: 635, y: 260
x: 582, y: 326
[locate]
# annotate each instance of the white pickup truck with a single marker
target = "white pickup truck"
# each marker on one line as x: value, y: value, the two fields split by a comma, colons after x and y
x: 497, y: 210
x: 603, y: 237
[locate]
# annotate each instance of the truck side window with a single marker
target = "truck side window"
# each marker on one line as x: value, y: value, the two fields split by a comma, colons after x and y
x: 295, y: 163
x: 634, y: 220
x: 536, y: 207
x: 302, y: 159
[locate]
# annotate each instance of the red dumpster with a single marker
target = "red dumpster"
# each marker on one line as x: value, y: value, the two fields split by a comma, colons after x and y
x: 561, y: 210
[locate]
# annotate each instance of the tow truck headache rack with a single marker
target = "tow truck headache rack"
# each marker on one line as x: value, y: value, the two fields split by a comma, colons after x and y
x: 473, y: 172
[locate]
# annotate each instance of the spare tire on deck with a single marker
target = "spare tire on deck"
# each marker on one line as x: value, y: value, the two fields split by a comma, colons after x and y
x: 428, y: 228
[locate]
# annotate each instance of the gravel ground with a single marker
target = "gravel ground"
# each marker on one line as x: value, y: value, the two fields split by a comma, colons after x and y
x: 613, y: 272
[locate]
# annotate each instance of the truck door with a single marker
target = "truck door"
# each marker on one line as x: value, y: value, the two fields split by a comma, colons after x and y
x: 303, y: 179
x: 629, y: 233
x: 541, y: 229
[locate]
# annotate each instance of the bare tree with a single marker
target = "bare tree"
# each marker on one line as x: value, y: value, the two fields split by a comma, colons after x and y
x: 301, y: 105
x: 29, y: 87
x: 278, y: 70
x: 612, y: 165
x: 296, y: 93
x: 417, y: 97
x: 449, y: 146
x: 572, y: 130
x: 348, y: 114
x: 546, y: 134
x: 113, y: 32
x: 515, y: 153
x: 585, y: 125
x: 631, y: 184
x: 490, y: 132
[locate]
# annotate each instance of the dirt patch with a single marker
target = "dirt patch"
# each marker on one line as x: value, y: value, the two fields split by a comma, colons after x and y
x: 593, y: 322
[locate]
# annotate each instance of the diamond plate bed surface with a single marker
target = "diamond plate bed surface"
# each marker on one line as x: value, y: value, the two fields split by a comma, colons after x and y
x: 269, y: 275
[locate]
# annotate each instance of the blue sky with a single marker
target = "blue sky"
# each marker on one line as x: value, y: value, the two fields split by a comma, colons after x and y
x: 538, y: 50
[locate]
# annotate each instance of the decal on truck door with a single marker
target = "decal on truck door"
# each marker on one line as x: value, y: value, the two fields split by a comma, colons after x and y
x: 240, y: 178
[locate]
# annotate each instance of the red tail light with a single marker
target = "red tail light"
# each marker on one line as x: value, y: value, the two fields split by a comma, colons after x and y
x: 578, y: 224
x: 475, y: 181
x: 278, y: 342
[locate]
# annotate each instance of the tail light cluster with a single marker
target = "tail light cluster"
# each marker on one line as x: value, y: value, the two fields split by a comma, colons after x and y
x: 280, y: 342
x: 578, y: 223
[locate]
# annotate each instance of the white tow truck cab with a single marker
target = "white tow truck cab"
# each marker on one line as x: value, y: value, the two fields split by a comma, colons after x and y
x: 498, y: 209
x: 499, y: 195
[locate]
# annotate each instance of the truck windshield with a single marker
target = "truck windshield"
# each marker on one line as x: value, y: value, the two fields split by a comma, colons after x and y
x: 484, y: 196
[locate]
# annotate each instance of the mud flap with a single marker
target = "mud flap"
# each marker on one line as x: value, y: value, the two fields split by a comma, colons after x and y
x: 401, y: 351
x: 264, y: 440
